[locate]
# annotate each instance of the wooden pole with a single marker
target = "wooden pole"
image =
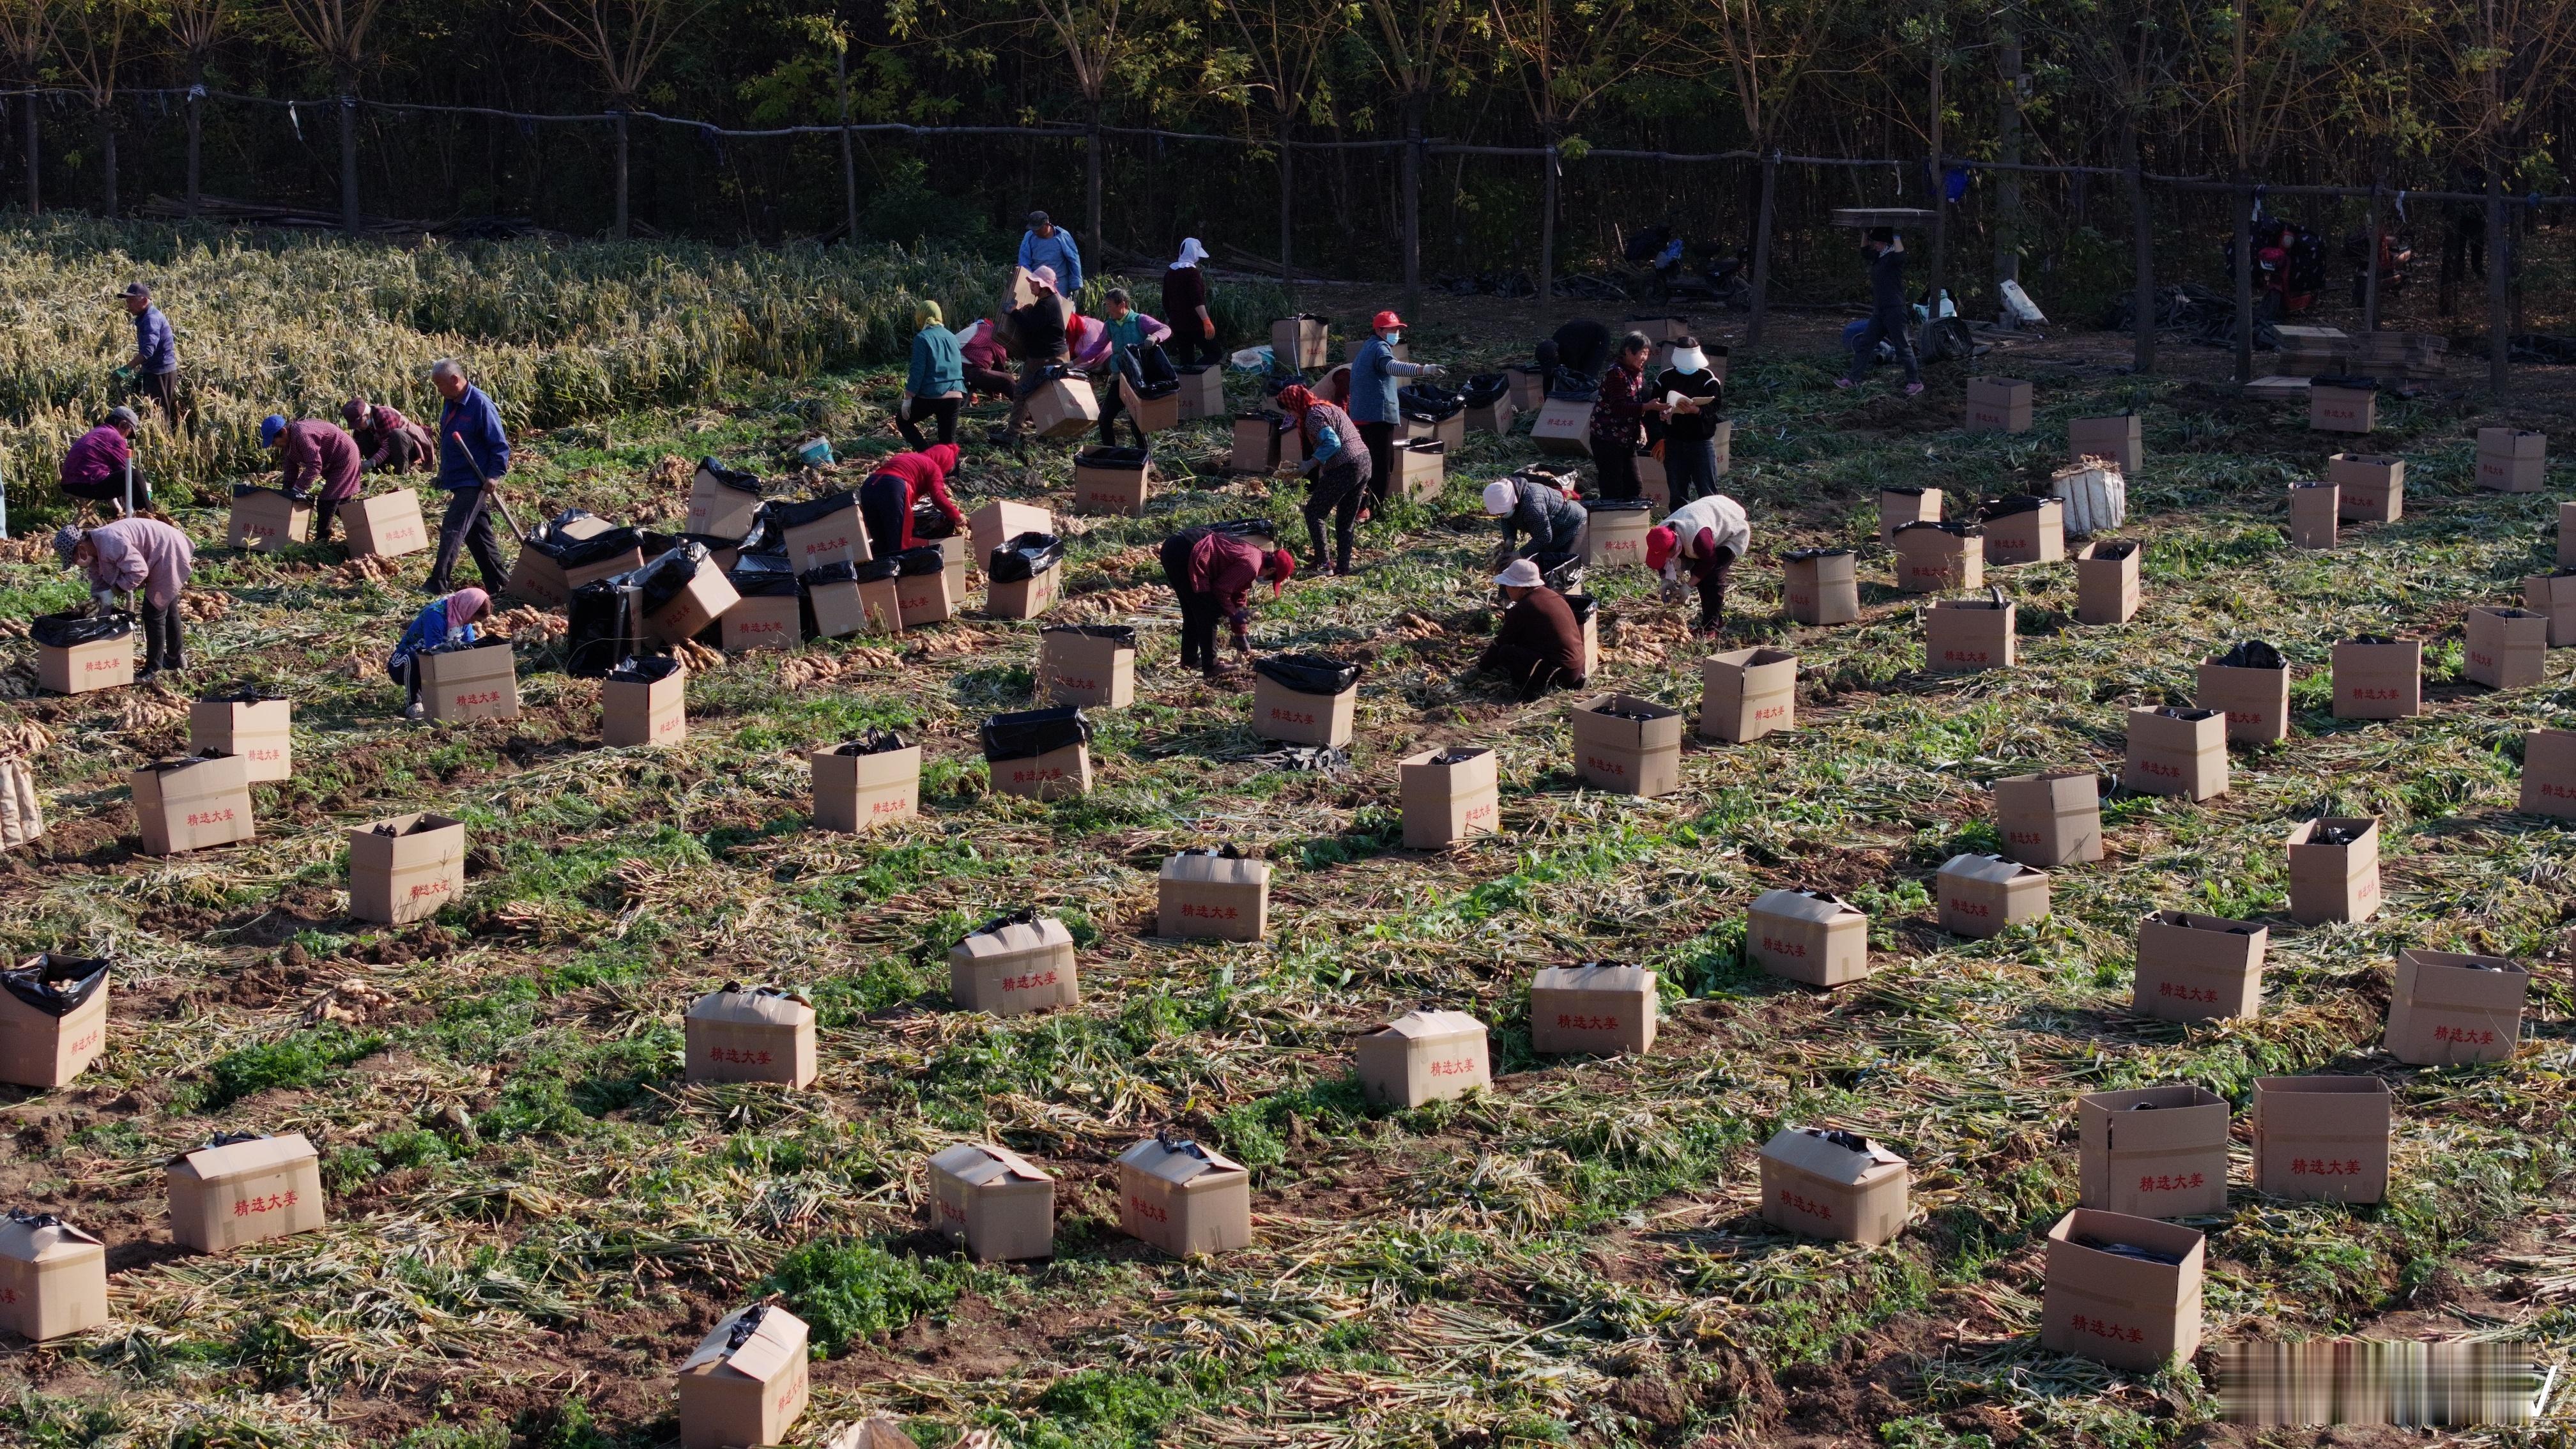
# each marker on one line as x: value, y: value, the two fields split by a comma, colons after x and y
x: 1091, y: 156
x: 2370, y: 264
x: 1413, y: 163
x: 196, y: 133
x: 1940, y: 198
x: 1547, y: 231
x: 1287, y: 209
x: 619, y: 227
x: 849, y: 156
x: 2242, y: 198
x: 2142, y: 250
x: 2499, y: 309
x: 1762, y: 250
x: 2008, y: 150
x: 349, y: 219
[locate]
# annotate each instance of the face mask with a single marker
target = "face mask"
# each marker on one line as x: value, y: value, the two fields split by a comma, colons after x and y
x: 1689, y: 362
x: 1392, y: 338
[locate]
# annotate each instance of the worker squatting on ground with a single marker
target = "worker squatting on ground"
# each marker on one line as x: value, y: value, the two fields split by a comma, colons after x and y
x: 1373, y: 402
x: 1692, y: 400
x: 901, y: 482
x: 1336, y: 468
x: 94, y: 466
x: 935, y: 387
x: 309, y: 452
x: 987, y: 360
x: 1891, y: 317
x: 471, y: 448
x: 1050, y: 246
x: 1553, y: 518
x: 156, y: 352
x: 441, y: 622
x: 1538, y: 643
x: 1698, y: 544
x: 1212, y: 571
x: 1185, y: 308
x: 387, y: 441
x: 134, y: 554
x: 1118, y: 336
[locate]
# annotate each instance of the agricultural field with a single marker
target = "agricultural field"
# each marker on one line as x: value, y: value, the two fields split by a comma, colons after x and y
x: 533, y: 1219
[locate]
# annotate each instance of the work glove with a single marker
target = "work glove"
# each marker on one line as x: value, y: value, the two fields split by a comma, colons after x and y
x: 1434, y: 369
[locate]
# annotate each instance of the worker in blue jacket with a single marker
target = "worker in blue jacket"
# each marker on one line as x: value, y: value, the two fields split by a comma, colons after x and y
x: 1373, y: 402
x: 471, y: 448
x: 1047, y: 245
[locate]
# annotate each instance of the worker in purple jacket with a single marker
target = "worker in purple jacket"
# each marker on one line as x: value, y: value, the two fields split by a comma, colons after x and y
x: 156, y: 351
x: 94, y: 465
x: 471, y: 448
x: 317, y: 456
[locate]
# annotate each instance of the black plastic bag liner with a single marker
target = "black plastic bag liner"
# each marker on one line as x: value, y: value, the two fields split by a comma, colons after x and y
x: 1248, y: 528
x: 1583, y: 605
x: 464, y: 644
x: 762, y: 576
x: 574, y: 553
x: 1617, y: 505
x: 1120, y: 634
x: 2007, y: 507
x: 253, y: 490
x: 1024, y: 916
x: 662, y: 579
x: 1227, y: 851
x: 733, y: 478
x: 603, y: 619
x: 244, y: 695
x: 56, y: 985
x: 914, y: 562
x: 929, y: 520
x: 1484, y: 389
x: 181, y: 762
x: 417, y: 827
x: 1607, y: 712
x: 1563, y: 572
x: 875, y: 570
x: 1309, y: 673
x: 2127, y: 1250
x: 784, y: 516
x: 1026, y: 556
x: 838, y: 571
x: 1155, y: 365
x: 2114, y: 551
x: 651, y: 669
x: 1459, y: 754
x: 2365, y: 384
x: 1956, y: 530
x: 1803, y: 554
x: 1029, y: 733
x: 2176, y: 711
x: 1902, y: 490
x: 1847, y: 1141
x: 1429, y: 403
x: 62, y: 631
x: 663, y: 542
x: 2253, y: 654
x: 1118, y: 458
x: 875, y: 741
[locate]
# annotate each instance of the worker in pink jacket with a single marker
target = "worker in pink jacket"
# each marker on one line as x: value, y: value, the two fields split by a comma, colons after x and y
x: 136, y: 555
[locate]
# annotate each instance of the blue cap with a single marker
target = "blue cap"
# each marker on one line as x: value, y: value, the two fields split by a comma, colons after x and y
x: 269, y: 428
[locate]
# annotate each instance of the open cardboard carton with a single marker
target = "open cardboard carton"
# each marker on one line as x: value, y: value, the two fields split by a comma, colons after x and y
x: 53, y: 1019
x: 2548, y: 773
x: 2331, y: 878
x: 2125, y: 1311
x: 1820, y: 586
x: 258, y: 730
x: 2177, y: 752
x: 1205, y: 894
x: 2256, y: 702
x: 2322, y: 1137
x: 2314, y: 510
x: 1424, y: 1056
x: 747, y: 1383
x: 237, y: 1190
x: 191, y: 803
x: 1087, y: 667
x: 1933, y: 560
x: 1183, y: 1197
x: 992, y: 1202
x: 1627, y: 745
x: 838, y: 535
x: 2450, y: 1008
x: 1807, y: 937
x: 406, y: 868
x: 2154, y: 1152
x: 2199, y: 968
x: 53, y: 1277
x: 264, y: 520
x: 1449, y: 794
x: 2505, y: 648
x: 479, y: 681
x: 2033, y: 535
x: 1600, y: 1009
x: 1015, y: 965
x: 2369, y: 487
x: 2050, y: 819
x: 858, y: 790
x: 750, y: 1034
x: 1962, y: 636
x: 1748, y: 693
x: 1817, y: 1186
x: 1986, y: 895
x: 638, y: 711
x: 2118, y: 438
x: 2106, y: 581
x: 1564, y: 427
x: 1899, y: 505
x: 387, y: 525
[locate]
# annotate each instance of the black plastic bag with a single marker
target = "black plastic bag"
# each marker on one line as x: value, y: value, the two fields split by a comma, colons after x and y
x: 1309, y: 673
x: 1485, y: 389
x: 711, y: 471
x: 1803, y: 554
x: 914, y: 562
x: 1025, y: 557
x: 1114, y: 459
x: 1227, y: 851
x: 253, y: 490
x: 461, y: 645
x: 1429, y: 402
x: 572, y: 553
x: 929, y: 520
x: 1583, y: 605
x: 2127, y: 1250
x: 2253, y: 654
x: 763, y: 576
x: 1120, y: 634
x: 1248, y: 528
x: 1901, y: 490
x: 1617, y: 505
x: 650, y: 669
x: 56, y: 985
x: 838, y: 571
x: 663, y: 579
x: 1154, y: 365
x: 1459, y: 754
x: 246, y: 694
x: 1955, y: 530
x: 1024, y: 916
x: 874, y: 741
x: 2008, y: 506
x: 2364, y: 384
x: 603, y: 630
x: 876, y: 570
x: 2115, y: 549
x: 1029, y: 733
x: 62, y: 631
x: 784, y: 516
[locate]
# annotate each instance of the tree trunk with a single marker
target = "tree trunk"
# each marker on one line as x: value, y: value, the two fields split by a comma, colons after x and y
x: 2241, y: 197
x: 107, y: 158
x: 349, y: 153
x: 2142, y: 247
x: 1547, y: 230
x: 1762, y: 250
x: 849, y: 155
x: 1287, y: 210
x: 196, y: 134
x: 2499, y: 313
x: 618, y: 227
x: 2370, y: 262
x: 1091, y: 165
x: 1413, y: 162
x: 1940, y: 201
x: 35, y: 192
x: 2008, y: 150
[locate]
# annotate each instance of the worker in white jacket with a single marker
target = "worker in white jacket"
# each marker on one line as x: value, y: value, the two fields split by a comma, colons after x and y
x: 1699, y: 543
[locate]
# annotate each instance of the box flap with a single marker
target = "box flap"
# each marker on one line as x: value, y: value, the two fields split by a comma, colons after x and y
x: 1811, y: 1149
x: 1991, y: 869
x: 1176, y: 1160
x: 773, y: 1339
x: 1216, y: 870
x: 1013, y: 937
x: 2188, y: 921
x: 1806, y: 906
x: 738, y: 1005
x: 216, y: 1164
x: 42, y: 1237
x: 982, y: 1164
x: 1425, y: 1024
x: 1594, y: 976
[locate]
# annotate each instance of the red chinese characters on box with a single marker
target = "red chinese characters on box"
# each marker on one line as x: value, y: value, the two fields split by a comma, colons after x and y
x: 1807, y: 1205
x: 2171, y: 1182
x: 273, y: 1202
x: 738, y: 1056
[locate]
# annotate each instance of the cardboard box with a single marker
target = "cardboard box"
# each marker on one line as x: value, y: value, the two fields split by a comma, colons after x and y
x: 549, y: 585
x: 1152, y: 414
x: 2153, y: 1152
x: 1184, y: 1198
x: 1058, y: 774
x: 2031, y: 535
x: 2256, y: 702
x: 2369, y: 487
x: 747, y: 1382
x: 237, y: 1190
x: 1282, y: 713
x: 750, y: 1034
x: 1020, y: 963
x: 1808, y: 937
x: 1639, y: 755
x: 2050, y: 819
x: 1564, y: 427
x: 2321, y: 1138
x: 1114, y: 483
x: 256, y: 728
x: 1092, y: 666
x: 1962, y: 636
x: 1202, y: 393
x: 265, y: 520
x: 2378, y: 678
x: 1998, y: 405
x: 2449, y: 1008
x: 1219, y: 896
x: 1301, y: 342
x: 2505, y: 648
x: 637, y: 710
x: 1594, y: 1008
x: 2106, y: 582
x: 857, y: 790
x: 1986, y: 895
x: 1587, y: 612
x: 722, y: 501
x: 1424, y: 1056
x: 1899, y: 505
x: 388, y: 525
x: 1528, y: 387
x: 191, y: 803
x: 2549, y: 773
x: 403, y: 869
x: 1421, y: 468
x: 840, y: 608
x: 1820, y: 585
x: 1745, y: 694
x: 2314, y: 507
x: 838, y: 534
x: 1936, y: 558
x: 102, y: 664
x: 1495, y: 417
x: 1827, y: 1184
x: 2177, y: 752
x: 1002, y: 519
x: 1449, y: 795
x: 1256, y: 444
x: 2334, y: 409
x: 53, y: 1019
x: 1614, y: 536
x: 2115, y: 1308
x: 2553, y: 594
x: 763, y: 621
x: 1448, y: 432
x: 1063, y: 407
x: 2199, y: 968
x: 992, y: 1202
x: 2334, y: 870
x: 925, y: 598
x: 478, y: 681
x: 686, y: 614
x: 53, y: 1278
x: 1023, y: 598
x: 2511, y: 460
x: 2116, y: 439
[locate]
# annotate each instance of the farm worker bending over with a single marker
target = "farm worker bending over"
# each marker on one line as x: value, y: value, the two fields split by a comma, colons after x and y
x: 1690, y: 431
x: 988, y: 361
x: 1551, y: 517
x: 1337, y: 469
x: 131, y: 554
x: 387, y: 441
x: 1373, y: 404
x: 936, y: 385
x: 310, y: 451
x: 1039, y: 335
x: 901, y: 481
x: 156, y: 351
x: 1212, y: 572
x: 468, y: 521
x: 1185, y: 302
x: 1538, y: 643
x: 1618, y: 414
x: 450, y: 620
x: 94, y: 465
x: 1118, y: 335
x: 1891, y: 320
x: 1050, y: 246
x: 1700, y: 542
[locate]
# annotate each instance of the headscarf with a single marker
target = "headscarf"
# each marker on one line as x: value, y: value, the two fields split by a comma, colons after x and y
x: 942, y: 456
x: 926, y: 313
x: 67, y: 541
x: 1044, y: 277
x: 1500, y: 497
x: 1296, y: 399
x: 1191, y: 253
x: 464, y: 605
x: 1283, y: 567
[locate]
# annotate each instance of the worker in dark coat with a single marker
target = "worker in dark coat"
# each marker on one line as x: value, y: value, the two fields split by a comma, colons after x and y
x: 317, y: 457
x: 1891, y: 317
x: 1539, y: 642
x: 1337, y: 469
x: 1212, y: 571
x: 1553, y: 519
x: 141, y: 556
x: 156, y: 352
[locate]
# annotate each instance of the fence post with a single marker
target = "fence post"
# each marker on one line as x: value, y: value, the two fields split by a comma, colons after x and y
x: 27, y: 114
x: 2142, y: 245
x: 196, y: 140
x: 1412, y: 206
x: 349, y: 162
x: 849, y: 158
x: 618, y: 228
x: 1287, y: 211
x: 2370, y: 264
x: 2241, y: 197
x: 1762, y: 250
x: 1547, y: 231
x: 1091, y: 168
x: 2499, y: 309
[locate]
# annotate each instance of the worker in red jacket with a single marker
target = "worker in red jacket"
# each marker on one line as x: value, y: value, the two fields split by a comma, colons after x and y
x: 317, y: 456
x: 387, y: 441
x: 1212, y: 571
x: 902, y: 480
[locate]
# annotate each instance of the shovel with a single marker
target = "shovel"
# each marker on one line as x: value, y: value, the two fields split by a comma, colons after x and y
x: 491, y: 490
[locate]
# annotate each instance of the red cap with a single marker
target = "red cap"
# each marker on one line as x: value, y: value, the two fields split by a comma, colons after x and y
x: 1659, y: 546
x: 1283, y: 567
x: 1384, y: 320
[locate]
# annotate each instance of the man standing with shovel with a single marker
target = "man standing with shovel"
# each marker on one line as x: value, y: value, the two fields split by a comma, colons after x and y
x: 472, y: 452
